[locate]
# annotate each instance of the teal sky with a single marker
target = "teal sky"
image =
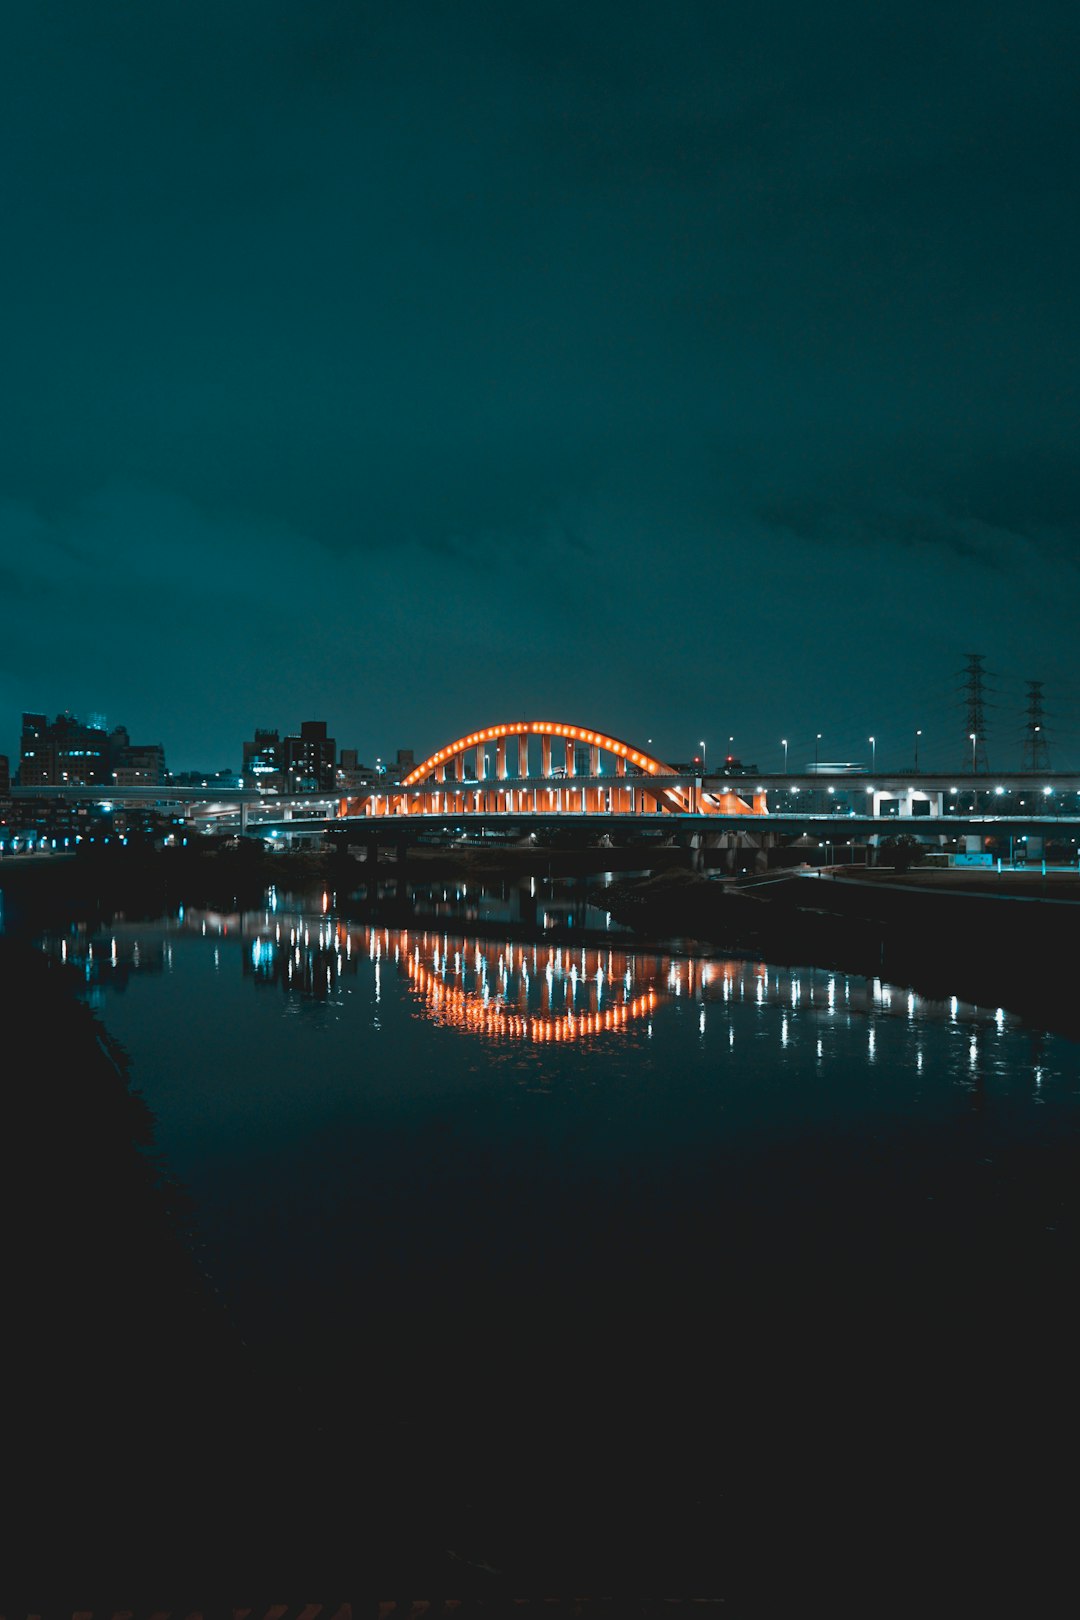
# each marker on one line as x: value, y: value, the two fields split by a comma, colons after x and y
x: 683, y: 370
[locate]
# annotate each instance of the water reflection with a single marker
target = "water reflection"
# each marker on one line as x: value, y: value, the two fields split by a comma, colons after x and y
x: 501, y: 988
x: 537, y: 994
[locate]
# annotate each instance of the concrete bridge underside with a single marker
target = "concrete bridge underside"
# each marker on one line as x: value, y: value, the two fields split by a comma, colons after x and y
x: 593, y: 795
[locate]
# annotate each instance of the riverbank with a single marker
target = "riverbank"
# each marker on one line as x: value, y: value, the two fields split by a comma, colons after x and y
x: 151, y: 1454
x: 120, y: 1360
x: 102, y: 881
x: 1012, y: 947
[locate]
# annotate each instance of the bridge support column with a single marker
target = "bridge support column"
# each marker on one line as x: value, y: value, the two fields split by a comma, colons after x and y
x: 500, y: 759
x: 594, y: 760
x: 523, y: 753
x: 545, y: 756
x: 459, y: 767
x: 569, y: 757
x: 912, y: 796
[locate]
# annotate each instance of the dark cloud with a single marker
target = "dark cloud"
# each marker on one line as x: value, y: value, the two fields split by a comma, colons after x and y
x: 557, y: 342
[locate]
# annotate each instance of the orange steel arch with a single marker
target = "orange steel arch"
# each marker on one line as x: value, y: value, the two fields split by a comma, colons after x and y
x: 538, y: 728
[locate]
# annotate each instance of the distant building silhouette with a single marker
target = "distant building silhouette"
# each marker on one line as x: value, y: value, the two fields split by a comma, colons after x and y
x: 65, y: 751
x: 308, y: 761
x: 262, y: 760
x: 351, y: 774
x: 293, y: 764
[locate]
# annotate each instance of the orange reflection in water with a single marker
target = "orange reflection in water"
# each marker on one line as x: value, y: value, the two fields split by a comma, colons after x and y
x: 512, y: 992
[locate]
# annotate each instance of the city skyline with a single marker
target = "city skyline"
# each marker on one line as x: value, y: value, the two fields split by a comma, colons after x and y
x: 694, y: 372
x: 915, y: 750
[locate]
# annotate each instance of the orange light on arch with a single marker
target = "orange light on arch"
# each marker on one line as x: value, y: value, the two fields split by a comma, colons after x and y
x: 538, y: 728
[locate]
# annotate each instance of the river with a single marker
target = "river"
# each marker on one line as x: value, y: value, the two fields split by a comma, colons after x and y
x: 635, y: 1267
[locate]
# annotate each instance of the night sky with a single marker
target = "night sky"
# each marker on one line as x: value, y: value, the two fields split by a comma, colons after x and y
x: 686, y: 370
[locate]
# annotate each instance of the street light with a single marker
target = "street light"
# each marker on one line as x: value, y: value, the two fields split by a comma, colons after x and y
x: 783, y: 744
x: 971, y: 735
x: 817, y: 739
x: 918, y: 734
x: 873, y: 755
x: 702, y: 746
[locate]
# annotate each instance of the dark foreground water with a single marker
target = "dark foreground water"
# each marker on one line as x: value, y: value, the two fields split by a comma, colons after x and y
x: 588, y: 1267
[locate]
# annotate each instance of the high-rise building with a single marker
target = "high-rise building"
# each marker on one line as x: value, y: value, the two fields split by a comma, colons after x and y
x: 66, y: 752
x: 294, y: 764
x: 308, y: 761
x: 262, y: 760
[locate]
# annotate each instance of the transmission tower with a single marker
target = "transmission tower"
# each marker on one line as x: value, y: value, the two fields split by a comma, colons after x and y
x: 975, y: 706
x: 1036, y: 742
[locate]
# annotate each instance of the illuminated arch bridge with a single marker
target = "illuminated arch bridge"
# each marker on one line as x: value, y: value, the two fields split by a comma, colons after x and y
x: 544, y: 767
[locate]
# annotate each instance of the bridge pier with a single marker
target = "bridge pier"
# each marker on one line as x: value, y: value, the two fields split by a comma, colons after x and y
x: 907, y: 799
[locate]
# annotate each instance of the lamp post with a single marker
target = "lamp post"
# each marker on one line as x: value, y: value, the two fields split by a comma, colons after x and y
x: 783, y: 744
x: 971, y: 735
x: 918, y: 734
x: 817, y: 740
x: 873, y: 755
x: 702, y: 746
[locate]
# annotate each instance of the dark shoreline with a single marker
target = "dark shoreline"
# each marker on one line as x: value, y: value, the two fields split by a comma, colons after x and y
x: 1013, y: 951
